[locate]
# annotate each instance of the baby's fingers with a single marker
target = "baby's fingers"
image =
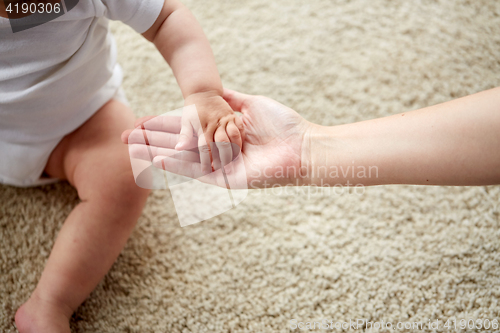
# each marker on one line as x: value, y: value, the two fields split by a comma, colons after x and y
x: 223, y: 145
x: 234, y: 133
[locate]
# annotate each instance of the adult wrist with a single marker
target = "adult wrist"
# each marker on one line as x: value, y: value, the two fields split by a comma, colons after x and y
x: 324, y: 149
x: 309, y: 153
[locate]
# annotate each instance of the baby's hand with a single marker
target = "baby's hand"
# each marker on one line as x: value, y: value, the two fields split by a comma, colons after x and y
x: 215, y: 122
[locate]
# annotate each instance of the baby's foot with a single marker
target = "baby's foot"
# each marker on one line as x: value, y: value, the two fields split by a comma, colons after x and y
x: 41, y: 316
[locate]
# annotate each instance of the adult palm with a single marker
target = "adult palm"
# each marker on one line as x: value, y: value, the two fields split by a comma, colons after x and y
x: 274, y: 138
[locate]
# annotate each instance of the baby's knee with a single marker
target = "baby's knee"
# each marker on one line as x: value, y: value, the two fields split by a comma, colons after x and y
x: 122, y: 196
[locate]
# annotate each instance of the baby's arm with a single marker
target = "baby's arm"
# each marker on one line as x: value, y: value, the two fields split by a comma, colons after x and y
x: 181, y: 41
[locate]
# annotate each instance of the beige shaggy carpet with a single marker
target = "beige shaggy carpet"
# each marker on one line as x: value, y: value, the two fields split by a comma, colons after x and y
x: 393, y: 253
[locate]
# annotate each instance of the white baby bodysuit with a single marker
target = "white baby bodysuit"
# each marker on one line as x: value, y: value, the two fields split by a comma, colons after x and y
x: 55, y: 76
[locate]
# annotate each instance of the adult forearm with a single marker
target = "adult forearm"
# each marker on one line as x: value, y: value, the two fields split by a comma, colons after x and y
x: 454, y: 143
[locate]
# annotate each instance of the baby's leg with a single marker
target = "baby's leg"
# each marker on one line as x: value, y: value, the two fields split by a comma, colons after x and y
x: 96, y: 162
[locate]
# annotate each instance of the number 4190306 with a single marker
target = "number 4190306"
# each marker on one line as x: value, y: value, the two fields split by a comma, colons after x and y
x: 32, y: 8
x: 486, y: 324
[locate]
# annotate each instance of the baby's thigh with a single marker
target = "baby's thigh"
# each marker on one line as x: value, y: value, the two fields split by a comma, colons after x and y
x: 93, y: 158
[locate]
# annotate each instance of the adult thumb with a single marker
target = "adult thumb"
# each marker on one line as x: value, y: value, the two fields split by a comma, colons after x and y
x: 236, y: 100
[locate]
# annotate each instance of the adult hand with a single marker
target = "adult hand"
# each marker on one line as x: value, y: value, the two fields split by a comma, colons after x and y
x: 453, y: 143
x: 272, y: 152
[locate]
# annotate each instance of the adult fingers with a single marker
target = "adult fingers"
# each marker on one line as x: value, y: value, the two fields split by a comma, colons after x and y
x: 189, y: 169
x: 125, y: 135
x: 153, y: 138
x: 164, y: 123
x: 138, y: 122
x: 147, y: 153
x: 185, y: 135
x: 179, y: 167
x: 205, y: 161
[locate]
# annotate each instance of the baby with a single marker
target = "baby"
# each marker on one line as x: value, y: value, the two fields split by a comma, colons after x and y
x: 61, y: 116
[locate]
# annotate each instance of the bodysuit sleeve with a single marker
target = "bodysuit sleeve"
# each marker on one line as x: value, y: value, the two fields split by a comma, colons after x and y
x: 138, y: 14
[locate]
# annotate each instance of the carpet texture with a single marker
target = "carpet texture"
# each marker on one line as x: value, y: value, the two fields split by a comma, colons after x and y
x: 393, y: 253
